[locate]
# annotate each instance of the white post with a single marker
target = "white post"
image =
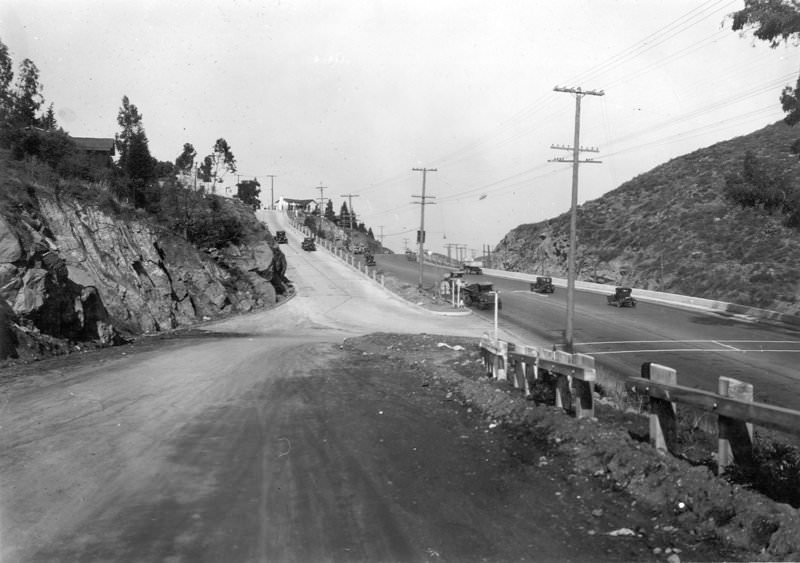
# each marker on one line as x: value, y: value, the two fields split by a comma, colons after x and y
x: 495, y: 317
x: 382, y: 281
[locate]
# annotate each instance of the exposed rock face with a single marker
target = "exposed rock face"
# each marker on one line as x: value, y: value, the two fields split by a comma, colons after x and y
x: 72, y: 271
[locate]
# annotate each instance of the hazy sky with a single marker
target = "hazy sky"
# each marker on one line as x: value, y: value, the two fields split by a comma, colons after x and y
x: 353, y: 94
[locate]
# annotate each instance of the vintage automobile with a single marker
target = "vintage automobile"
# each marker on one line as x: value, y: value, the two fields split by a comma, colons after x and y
x: 621, y: 298
x: 308, y: 244
x: 480, y: 295
x: 369, y: 258
x: 472, y: 270
x: 411, y: 256
x: 543, y: 284
x: 280, y: 237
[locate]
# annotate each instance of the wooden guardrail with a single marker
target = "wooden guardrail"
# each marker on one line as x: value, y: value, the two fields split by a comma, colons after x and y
x: 573, y: 376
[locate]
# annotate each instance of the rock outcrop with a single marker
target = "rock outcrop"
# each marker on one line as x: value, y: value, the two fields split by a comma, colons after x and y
x: 72, y: 271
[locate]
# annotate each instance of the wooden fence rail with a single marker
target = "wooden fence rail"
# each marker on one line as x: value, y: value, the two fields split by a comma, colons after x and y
x: 573, y: 376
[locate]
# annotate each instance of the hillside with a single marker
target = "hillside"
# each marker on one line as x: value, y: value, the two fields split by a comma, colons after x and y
x: 675, y: 229
x: 80, y: 268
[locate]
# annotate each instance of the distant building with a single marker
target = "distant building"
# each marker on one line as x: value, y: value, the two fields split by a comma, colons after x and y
x: 287, y: 203
x: 99, y: 150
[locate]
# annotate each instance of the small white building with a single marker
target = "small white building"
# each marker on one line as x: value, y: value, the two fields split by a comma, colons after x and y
x: 304, y: 205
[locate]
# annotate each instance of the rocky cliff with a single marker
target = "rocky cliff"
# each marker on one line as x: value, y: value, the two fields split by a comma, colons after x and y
x: 71, y: 272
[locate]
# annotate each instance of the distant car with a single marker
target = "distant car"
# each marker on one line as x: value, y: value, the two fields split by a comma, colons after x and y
x: 280, y: 237
x: 622, y: 298
x: 480, y: 295
x: 369, y: 258
x: 410, y: 256
x: 472, y: 270
x: 543, y: 284
x: 453, y: 275
x: 359, y: 249
x: 308, y: 244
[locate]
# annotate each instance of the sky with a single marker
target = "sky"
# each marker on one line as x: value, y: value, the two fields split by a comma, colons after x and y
x: 353, y: 95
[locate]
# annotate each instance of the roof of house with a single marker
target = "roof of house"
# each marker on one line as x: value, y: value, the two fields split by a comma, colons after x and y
x: 301, y: 201
x: 94, y: 144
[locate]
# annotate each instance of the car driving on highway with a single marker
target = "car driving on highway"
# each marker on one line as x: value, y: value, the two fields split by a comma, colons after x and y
x: 480, y: 295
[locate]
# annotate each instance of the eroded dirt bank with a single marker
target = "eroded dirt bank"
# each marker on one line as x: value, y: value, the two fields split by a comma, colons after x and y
x: 687, y: 507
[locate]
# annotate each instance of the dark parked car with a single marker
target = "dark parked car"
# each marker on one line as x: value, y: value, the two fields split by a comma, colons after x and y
x: 308, y: 244
x: 543, y: 285
x: 370, y: 258
x: 480, y: 295
x: 280, y: 237
x: 473, y: 270
x: 622, y: 298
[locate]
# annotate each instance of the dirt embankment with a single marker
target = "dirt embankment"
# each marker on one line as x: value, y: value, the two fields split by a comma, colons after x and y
x: 688, y: 502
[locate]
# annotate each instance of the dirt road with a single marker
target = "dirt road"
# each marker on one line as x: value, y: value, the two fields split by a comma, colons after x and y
x: 269, y: 438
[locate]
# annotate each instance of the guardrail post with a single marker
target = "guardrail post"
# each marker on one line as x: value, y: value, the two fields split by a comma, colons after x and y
x: 382, y: 281
x: 663, y: 420
x: 563, y: 382
x: 501, y: 360
x: 582, y: 400
x: 735, y: 436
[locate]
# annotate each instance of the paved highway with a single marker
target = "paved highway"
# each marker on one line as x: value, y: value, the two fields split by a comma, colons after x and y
x: 700, y: 346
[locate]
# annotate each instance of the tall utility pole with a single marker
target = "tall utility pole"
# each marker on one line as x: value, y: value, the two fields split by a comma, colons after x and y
x: 449, y: 246
x: 576, y: 150
x: 381, y: 235
x: 271, y: 190
x: 421, y: 234
x: 321, y: 203
x: 350, y: 209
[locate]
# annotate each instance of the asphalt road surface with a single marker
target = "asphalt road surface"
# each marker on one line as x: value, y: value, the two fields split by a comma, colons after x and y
x: 250, y: 440
x: 700, y: 346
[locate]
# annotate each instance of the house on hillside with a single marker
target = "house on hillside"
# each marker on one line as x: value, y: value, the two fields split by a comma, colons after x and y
x: 304, y: 205
x: 98, y: 150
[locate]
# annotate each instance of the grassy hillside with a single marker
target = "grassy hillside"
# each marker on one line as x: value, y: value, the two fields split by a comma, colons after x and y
x: 677, y: 229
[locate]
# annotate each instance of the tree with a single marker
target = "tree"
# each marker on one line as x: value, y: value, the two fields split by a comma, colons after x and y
x: 345, y: 217
x: 131, y: 143
x: 329, y: 214
x: 216, y: 165
x: 248, y: 192
x: 185, y: 161
x: 370, y: 234
x: 776, y: 22
x: 48, y: 121
x: 27, y: 96
x: 135, y: 162
x: 6, y: 78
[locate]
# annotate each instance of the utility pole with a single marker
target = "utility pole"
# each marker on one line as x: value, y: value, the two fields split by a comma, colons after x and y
x: 381, y: 235
x: 449, y: 246
x: 271, y: 190
x: 421, y: 234
x: 350, y: 199
x: 405, y: 244
x: 575, y: 160
x: 321, y: 203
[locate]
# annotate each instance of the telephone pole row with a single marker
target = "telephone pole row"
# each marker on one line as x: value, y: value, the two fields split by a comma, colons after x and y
x: 575, y: 160
x: 421, y: 234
